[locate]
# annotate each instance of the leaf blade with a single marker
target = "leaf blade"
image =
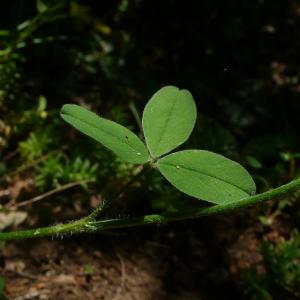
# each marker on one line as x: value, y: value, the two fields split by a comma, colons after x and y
x: 123, y: 142
x: 168, y: 119
x: 207, y: 175
x: 41, y: 6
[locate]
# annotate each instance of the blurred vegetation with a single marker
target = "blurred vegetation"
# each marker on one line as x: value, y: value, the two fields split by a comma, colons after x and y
x: 281, y: 273
x: 240, y: 60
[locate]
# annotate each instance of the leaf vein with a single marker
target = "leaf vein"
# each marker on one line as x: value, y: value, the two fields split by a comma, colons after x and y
x: 166, y: 124
x: 106, y: 132
x: 208, y: 175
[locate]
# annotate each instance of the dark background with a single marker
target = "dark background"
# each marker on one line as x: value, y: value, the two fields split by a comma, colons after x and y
x: 241, y: 62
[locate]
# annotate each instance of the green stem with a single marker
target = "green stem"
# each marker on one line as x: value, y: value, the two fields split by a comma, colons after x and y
x: 56, y: 230
x: 86, y: 225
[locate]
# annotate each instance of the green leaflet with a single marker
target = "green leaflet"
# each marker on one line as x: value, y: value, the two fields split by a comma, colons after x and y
x: 168, y: 119
x: 41, y: 6
x: 207, y: 176
x: 123, y: 142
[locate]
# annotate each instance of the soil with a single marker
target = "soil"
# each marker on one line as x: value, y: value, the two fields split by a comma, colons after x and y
x: 179, y: 261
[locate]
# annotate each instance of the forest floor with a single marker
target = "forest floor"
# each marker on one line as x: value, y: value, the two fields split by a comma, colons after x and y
x: 175, y: 261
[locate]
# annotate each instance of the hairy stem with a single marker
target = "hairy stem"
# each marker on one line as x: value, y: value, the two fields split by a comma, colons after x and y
x: 86, y: 225
x: 56, y: 230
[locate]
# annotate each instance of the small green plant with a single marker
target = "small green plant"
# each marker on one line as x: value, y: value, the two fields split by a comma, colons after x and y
x: 168, y: 120
x: 282, y: 271
x: 56, y: 171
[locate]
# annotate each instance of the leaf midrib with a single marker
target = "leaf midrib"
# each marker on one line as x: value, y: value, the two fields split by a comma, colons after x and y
x: 106, y: 132
x: 208, y: 175
x: 166, y: 124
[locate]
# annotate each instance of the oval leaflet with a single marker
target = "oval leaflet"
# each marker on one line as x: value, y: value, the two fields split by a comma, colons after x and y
x: 123, y: 142
x: 168, y: 119
x: 207, y: 176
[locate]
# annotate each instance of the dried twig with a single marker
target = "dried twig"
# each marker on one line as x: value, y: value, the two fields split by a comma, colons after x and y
x: 50, y: 193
